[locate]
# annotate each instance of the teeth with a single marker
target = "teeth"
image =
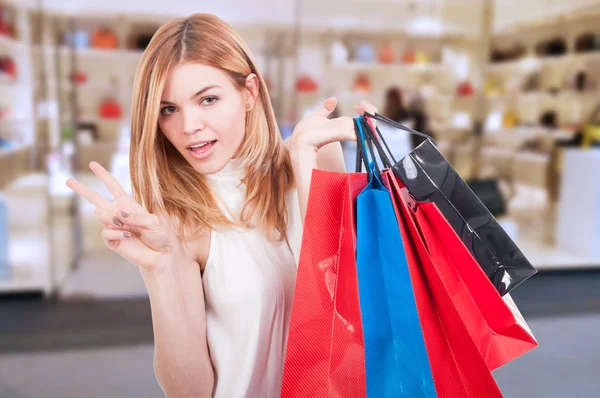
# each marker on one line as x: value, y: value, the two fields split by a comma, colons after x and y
x: 199, y: 145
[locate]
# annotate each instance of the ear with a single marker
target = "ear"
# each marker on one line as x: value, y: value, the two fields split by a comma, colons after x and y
x: 252, y: 84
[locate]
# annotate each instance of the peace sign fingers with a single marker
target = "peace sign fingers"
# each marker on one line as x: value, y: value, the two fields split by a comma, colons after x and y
x: 89, y: 194
x: 111, y: 182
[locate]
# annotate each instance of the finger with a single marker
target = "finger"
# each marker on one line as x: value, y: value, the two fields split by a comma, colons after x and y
x: 372, y: 109
x: 140, y: 219
x: 89, y: 194
x: 111, y: 182
x: 341, y: 129
x: 109, y: 219
x: 368, y: 107
x: 343, y: 123
x: 327, y: 107
x: 114, y: 234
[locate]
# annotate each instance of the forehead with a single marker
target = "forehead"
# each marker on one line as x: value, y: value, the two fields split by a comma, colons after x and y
x: 185, y: 79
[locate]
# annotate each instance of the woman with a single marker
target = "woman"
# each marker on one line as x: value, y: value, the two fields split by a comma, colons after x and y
x: 394, y: 105
x: 419, y: 118
x: 398, y: 141
x: 216, y: 219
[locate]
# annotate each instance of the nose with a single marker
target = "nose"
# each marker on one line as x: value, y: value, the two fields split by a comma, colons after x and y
x: 192, y: 122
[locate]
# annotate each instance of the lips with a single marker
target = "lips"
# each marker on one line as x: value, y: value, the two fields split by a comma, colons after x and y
x: 201, y: 151
x: 199, y: 144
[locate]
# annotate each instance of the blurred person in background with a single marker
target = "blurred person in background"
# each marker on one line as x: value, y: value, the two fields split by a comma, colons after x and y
x: 394, y: 105
x: 215, y: 222
x: 398, y: 141
x: 418, y: 118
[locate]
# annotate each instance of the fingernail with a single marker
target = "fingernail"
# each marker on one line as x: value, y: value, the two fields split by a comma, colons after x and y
x: 123, y: 214
x: 118, y: 222
x: 127, y: 234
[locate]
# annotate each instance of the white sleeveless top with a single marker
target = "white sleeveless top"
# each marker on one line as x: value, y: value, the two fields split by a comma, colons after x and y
x: 248, y: 288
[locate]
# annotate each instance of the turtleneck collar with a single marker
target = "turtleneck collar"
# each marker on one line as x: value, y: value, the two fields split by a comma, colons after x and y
x: 233, y: 171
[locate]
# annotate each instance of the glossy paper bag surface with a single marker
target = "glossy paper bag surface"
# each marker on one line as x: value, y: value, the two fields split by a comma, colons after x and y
x: 430, y: 178
x: 495, y: 328
x: 396, y: 359
x: 325, y: 352
x: 458, y: 368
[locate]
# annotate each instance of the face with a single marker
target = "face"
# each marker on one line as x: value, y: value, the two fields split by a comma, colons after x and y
x: 203, y: 114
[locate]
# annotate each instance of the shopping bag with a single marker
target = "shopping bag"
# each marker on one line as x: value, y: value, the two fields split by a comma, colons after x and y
x: 494, y: 322
x: 325, y: 351
x: 396, y: 359
x: 430, y: 178
x: 458, y: 368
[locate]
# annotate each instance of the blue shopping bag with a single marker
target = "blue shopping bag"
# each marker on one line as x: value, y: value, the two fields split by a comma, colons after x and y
x: 395, y: 354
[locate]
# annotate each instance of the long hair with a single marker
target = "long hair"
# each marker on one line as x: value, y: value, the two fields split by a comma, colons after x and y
x: 162, y: 180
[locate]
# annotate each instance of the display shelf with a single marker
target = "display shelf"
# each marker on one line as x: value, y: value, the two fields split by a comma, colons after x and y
x: 17, y: 119
x: 88, y: 86
x: 28, y: 248
x: 545, y: 95
x: 527, y: 64
x: 132, y: 55
x: 15, y: 148
x: 9, y: 42
x: 551, y: 258
x: 25, y: 277
x: 377, y: 67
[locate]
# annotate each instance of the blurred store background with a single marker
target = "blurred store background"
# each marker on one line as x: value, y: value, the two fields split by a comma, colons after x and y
x: 510, y: 89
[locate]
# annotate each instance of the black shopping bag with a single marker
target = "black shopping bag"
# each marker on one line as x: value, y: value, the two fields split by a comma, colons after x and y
x: 430, y: 178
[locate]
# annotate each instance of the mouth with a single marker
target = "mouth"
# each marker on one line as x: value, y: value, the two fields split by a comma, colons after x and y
x: 202, y: 150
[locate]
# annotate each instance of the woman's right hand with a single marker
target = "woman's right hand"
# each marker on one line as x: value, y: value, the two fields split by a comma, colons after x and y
x: 146, y: 240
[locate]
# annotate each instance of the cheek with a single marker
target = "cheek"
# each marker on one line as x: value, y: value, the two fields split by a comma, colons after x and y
x: 169, y: 128
x: 232, y: 124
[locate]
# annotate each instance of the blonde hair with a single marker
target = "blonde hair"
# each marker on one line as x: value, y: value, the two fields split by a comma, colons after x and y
x: 162, y: 179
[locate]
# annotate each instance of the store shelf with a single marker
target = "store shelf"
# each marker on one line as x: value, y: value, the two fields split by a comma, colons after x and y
x: 14, y: 84
x: 94, y: 53
x: 545, y: 95
x: 27, y: 239
x: 14, y: 148
x: 9, y: 42
x: 532, y: 63
x: 24, y: 278
x: 13, y: 120
x: 550, y: 258
x: 132, y: 55
x: 376, y: 67
x: 99, y: 88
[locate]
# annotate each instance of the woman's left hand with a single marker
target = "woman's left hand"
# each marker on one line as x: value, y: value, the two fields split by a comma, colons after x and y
x: 316, y: 130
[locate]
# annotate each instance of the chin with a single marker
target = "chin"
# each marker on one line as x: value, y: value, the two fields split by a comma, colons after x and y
x: 215, y: 163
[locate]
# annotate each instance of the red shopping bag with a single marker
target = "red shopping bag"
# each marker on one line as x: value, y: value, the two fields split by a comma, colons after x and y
x: 494, y: 323
x: 457, y: 367
x: 498, y: 332
x: 325, y: 349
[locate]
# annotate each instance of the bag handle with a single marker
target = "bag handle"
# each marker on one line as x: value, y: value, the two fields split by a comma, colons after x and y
x: 397, y: 125
x: 366, y: 139
x: 364, y: 149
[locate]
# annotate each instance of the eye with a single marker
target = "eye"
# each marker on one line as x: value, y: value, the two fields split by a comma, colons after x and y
x: 209, y: 100
x: 168, y: 110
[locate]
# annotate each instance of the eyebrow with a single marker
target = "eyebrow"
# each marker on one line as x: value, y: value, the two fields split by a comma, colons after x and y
x: 199, y: 93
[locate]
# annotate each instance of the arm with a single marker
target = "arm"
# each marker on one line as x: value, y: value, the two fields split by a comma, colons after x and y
x: 181, y: 358
x: 315, y: 144
x: 172, y: 276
